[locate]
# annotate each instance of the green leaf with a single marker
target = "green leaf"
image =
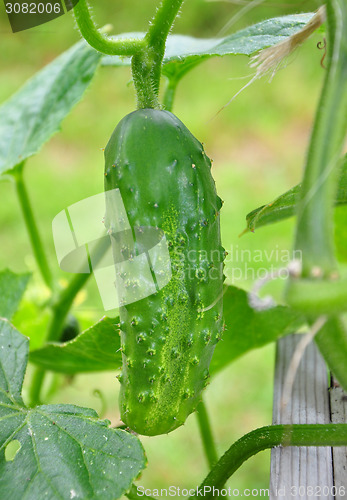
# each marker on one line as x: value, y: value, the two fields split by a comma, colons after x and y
x: 12, y: 287
x: 248, y: 329
x: 32, y: 115
x: 57, y: 451
x: 341, y: 233
x: 32, y: 320
x: 285, y: 205
x: 98, y: 348
x: 95, y: 349
x: 185, y: 52
x: 281, y: 208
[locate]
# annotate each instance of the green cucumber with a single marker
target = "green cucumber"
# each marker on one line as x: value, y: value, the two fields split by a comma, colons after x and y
x: 168, y: 338
x: 71, y: 329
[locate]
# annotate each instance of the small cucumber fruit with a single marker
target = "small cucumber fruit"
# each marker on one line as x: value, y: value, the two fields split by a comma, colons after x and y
x: 71, y: 329
x: 168, y: 338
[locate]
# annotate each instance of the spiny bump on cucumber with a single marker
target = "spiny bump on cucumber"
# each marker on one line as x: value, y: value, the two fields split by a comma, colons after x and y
x: 168, y: 338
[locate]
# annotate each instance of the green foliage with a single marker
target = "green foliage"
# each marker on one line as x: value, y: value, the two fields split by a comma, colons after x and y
x: 98, y: 348
x: 62, y: 451
x: 332, y: 343
x: 182, y: 53
x: 314, y: 236
x: 12, y: 287
x: 65, y: 451
x: 341, y: 233
x: 95, y: 349
x: 32, y: 319
x: 269, y: 437
x: 32, y: 115
x: 285, y: 205
x: 320, y: 288
x: 248, y: 329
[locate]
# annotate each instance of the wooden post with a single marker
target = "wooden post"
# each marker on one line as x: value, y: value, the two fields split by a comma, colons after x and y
x: 338, y: 407
x: 307, y: 472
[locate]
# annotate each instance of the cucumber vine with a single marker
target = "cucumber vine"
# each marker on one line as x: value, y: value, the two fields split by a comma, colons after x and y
x: 30, y: 222
x: 317, y: 290
x: 314, y: 236
x: 147, y: 54
x: 320, y: 289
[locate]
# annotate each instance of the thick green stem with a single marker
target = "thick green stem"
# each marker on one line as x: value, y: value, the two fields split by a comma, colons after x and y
x: 141, y: 68
x: 31, y: 226
x: 100, y: 42
x: 315, y: 231
x: 315, y: 297
x: 146, y: 64
x: 319, y: 290
x: 206, y: 435
x: 268, y: 437
x: 158, y: 33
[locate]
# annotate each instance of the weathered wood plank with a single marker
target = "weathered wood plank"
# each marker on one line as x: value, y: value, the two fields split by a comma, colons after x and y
x: 299, y: 472
x: 338, y: 406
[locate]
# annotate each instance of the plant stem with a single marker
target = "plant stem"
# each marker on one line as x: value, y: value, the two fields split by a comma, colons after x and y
x: 36, y: 383
x: 141, y: 68
x: 100, y: 42
x: 268, y: 437
x: 158, y: 33
x: 61, y: 307
x: 31, y: 226
x: 318, y: 291
x: 314, y: 234
x: 332, y: 343
x: 206, y: 435
x: 132, y: 494
x: 170, y: 92
x: 146, y: 64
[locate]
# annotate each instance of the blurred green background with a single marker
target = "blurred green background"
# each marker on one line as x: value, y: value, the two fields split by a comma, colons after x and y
x: 258, y: 145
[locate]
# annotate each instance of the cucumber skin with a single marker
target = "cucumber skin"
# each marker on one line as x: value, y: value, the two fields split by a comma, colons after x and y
x: 167, y: 341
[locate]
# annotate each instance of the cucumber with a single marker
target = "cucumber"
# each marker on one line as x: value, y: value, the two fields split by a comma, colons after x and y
x: 71, y: 329
x: 168, y: 338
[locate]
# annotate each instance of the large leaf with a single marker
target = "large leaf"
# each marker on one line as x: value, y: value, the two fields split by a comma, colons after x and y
x: 95, y: 349
x: 12, y: 287
x: 285, y: 205
x: 248, y: 329
x: 32, y: 115
x: 184, y: 52
x: 98, y: 348
x: 57, y: 451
